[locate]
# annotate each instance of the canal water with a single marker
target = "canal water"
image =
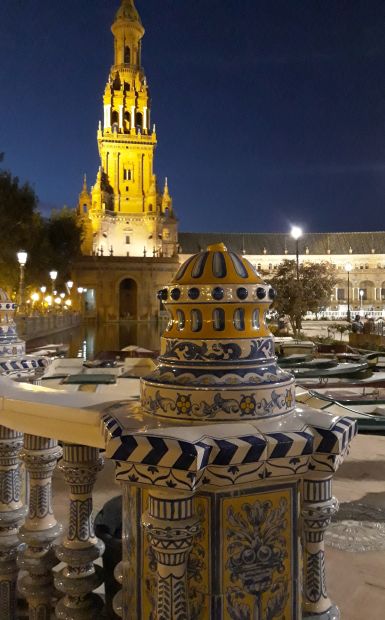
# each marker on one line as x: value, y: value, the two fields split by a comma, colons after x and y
x: 88, y: 340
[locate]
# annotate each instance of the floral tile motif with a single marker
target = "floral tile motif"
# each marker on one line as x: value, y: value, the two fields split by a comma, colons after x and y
x: 258, y: 556
x: 188, y: 351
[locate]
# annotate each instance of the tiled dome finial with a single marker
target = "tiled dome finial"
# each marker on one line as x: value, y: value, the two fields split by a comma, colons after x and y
x: 217, y: 354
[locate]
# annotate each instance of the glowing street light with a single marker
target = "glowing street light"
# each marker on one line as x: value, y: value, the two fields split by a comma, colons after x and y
x: 362, y: 293
x: 296, y: 233
x: 80, y: 290
x: 53, y: 276
x: 43, y: 289
x: 348, y: 268
x: 22, y: 258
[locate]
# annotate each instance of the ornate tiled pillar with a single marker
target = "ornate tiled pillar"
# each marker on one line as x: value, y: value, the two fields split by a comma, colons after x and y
x: 37, y: 556
x: 12, y: 513
x: 219, y: 454
x: 80, y: 547
x: 171, y: 525
x: 318, y: 508
x: 126, y: 600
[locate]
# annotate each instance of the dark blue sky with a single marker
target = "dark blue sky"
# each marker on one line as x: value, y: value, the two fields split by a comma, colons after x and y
x: 268, y: 111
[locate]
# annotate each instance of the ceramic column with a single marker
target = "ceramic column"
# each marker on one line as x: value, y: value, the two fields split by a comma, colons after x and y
x: 126, y: 602
x: 37, y: 556
x: 80, y: 547
x: 318, y: 508
x: 171, y: 525
x: 12, y: 513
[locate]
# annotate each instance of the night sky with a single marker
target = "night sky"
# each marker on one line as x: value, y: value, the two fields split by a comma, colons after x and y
x: 268, y: 112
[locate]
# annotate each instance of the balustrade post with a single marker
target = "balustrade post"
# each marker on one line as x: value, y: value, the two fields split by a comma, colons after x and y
x: 318, y: 508
x: 171, y: 524
x: 80, y: 547
x: 37, y: 556
x: 12, y: 513
x: 125, y: 603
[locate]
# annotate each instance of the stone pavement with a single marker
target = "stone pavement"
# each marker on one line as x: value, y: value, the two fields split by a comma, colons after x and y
x: 356, y: 581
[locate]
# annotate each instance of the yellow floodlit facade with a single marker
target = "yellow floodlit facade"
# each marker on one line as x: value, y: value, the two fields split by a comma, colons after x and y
x: 125, y: 214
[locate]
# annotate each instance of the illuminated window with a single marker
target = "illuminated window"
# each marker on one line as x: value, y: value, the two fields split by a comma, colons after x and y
x: 181, y: 319
x: 255, y: 319
x: 239, y: 319
x: 219, y: 319
x: 127, y: 176
x: 196, y: 320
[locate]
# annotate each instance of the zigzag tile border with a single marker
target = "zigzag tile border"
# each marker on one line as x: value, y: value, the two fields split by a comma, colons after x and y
x: 169, y: 461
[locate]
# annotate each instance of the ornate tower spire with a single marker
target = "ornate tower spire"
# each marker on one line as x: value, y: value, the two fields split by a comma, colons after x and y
x: 128, y: 32
x: 126, y: 183
x: 166, y: 198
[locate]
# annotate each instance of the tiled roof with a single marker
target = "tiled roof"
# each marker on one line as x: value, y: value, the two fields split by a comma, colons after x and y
x: 276, y: 243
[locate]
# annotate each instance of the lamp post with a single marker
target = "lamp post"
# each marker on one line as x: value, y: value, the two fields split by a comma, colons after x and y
x: 22, y: 257
x: 348, y: 268
x: 296, y: 233
x: 361, y: 297
x: 53, y: 276
x: 69, y: 286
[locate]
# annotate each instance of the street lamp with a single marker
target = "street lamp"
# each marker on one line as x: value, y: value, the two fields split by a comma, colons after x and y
x: 348, y: 268
x: 22, y: 257
x: 296, y: 233
x: 53, y: 276
x: 361, y: 297
x: 69, y: 286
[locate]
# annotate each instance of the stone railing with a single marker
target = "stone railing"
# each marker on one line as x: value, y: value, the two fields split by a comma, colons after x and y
x: 164, y: 526
x: 29, y: 327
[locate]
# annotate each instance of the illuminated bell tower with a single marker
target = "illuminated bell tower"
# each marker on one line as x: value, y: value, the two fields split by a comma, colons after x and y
x: 129, y: 216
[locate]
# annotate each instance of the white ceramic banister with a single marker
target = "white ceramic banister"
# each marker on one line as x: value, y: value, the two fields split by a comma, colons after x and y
x: 126, y: 600
x: 167, y: 461
x: 12, y: 513
x: 319, y: 506
x: 171, y: 525
x: 37, y: 556
x: 80, y: 547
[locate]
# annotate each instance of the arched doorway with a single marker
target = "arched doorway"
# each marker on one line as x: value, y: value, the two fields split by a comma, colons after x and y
x: 128, y: 303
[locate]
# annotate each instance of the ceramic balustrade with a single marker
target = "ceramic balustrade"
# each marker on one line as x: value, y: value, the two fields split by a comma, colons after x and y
x: 40, y: 530
x: 170, y: 525
x: 27, y: 550
x: 12, y: 513
x: 80, y: 547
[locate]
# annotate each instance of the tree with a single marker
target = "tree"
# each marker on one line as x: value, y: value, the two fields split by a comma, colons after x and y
x: 64, y: 234
x: 20, y: 224
x: 51, y: 243
x: 312, y: 290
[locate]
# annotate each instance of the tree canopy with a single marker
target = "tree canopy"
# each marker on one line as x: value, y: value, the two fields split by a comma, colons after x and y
x: 308, y: 294
x: 51, y: 243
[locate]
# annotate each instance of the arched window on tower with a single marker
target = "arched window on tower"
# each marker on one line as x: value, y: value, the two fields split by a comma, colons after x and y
x: 127, y: 55
x: 127, y: 121
x: 115, y: 121
x: 139, y: 120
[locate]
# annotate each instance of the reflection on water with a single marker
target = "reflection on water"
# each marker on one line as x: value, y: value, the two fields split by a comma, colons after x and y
x: 88, y: 340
